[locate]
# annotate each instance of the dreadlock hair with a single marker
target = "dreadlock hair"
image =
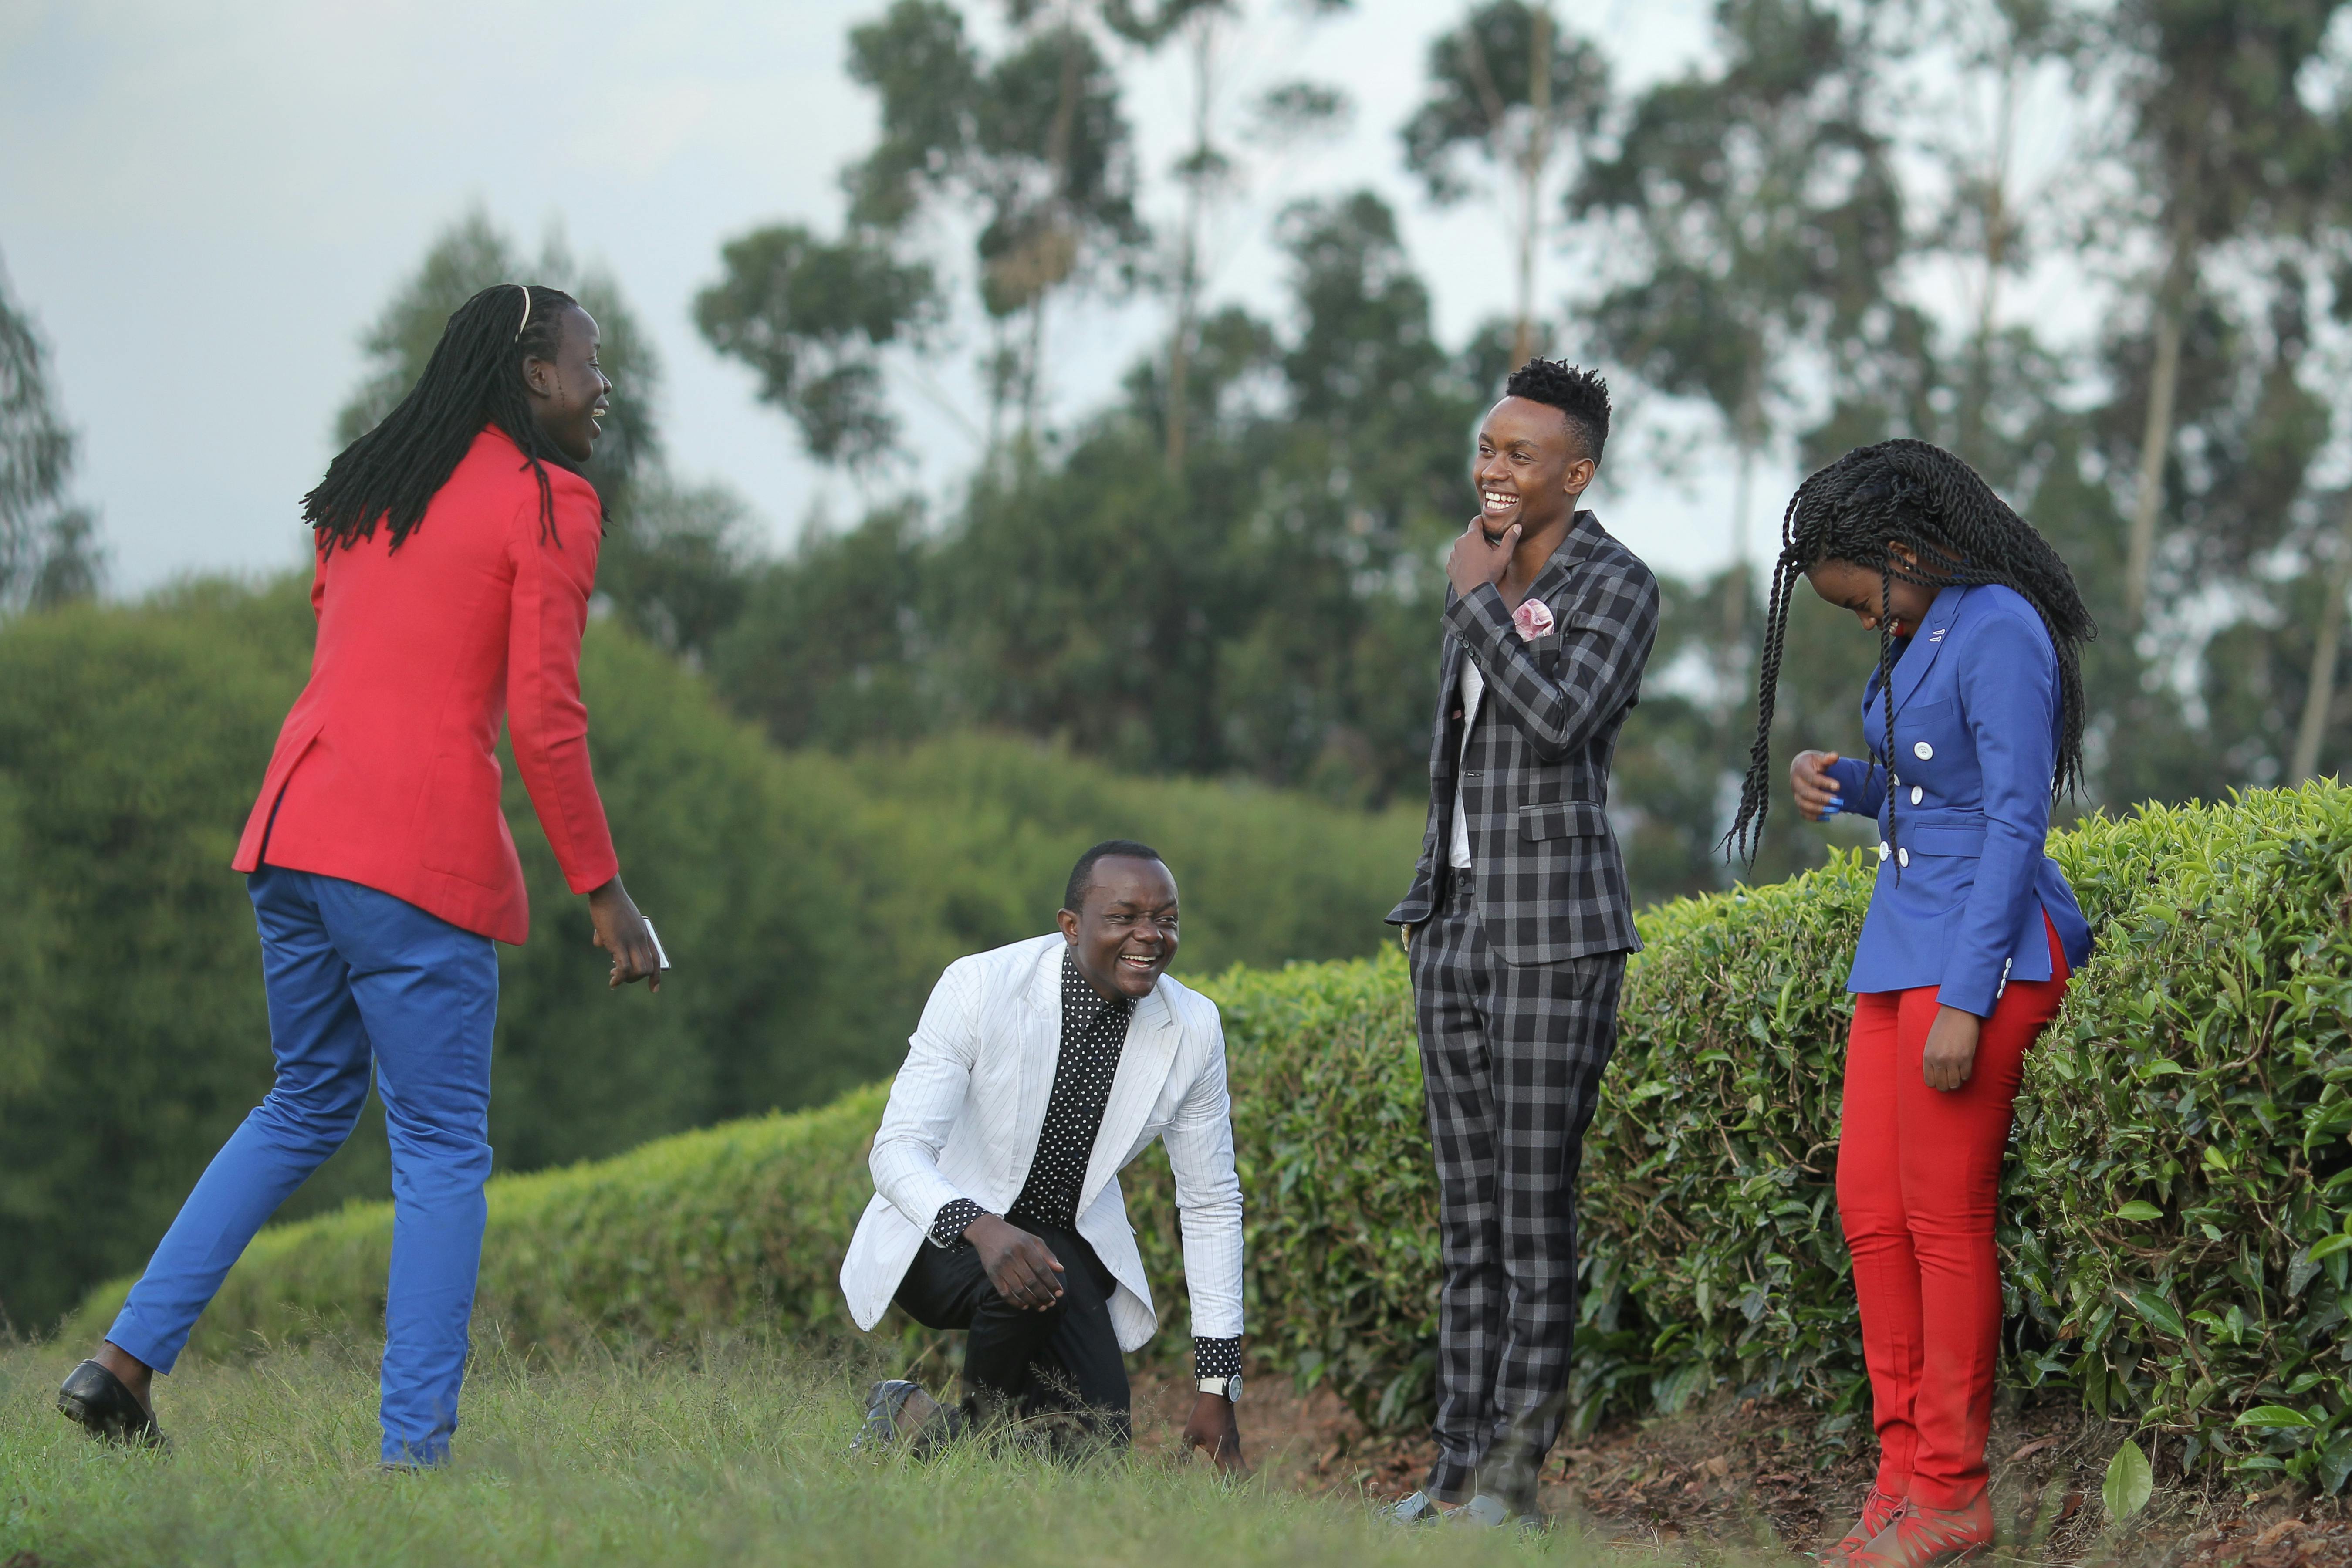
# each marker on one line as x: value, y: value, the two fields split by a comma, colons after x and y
x: 1921, y: 496
x: 474, y: 378
x: 1579, y: 394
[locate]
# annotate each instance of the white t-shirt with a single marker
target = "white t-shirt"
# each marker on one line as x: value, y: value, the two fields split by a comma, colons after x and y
x: 1474, y: 687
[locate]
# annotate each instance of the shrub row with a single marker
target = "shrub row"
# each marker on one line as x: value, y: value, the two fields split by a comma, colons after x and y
x: 738, y: 1225
x: 2177, y: 1226
x: 2177, y: 1229
x: 809, y: 899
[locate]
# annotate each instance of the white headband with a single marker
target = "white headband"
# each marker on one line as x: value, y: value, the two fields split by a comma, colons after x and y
x: 526, y: 311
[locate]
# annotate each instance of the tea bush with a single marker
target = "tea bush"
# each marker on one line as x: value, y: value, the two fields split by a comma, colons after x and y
x: 737, y: 1225
x: 2177, y: 1229
x: 2184, y: 1201
x: 808, y: 899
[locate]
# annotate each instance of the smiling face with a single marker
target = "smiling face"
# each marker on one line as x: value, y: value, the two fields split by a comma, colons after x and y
x: 568, y: 392
x: 1529, y: 468
x: 1125, y: 936
x: 1857, y: 588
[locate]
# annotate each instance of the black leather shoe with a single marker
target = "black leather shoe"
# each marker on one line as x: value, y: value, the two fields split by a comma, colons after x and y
x: 107, y: 1408
x: 899, y: 1413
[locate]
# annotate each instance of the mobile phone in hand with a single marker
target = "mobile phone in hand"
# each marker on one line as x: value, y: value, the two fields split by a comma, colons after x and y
x: 655, y: 937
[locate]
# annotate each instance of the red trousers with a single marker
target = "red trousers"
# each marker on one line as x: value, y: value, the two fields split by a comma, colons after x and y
x: 1918, y: 1179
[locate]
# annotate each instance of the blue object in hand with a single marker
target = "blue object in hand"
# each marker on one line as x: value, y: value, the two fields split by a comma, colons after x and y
x: 1836, y: 805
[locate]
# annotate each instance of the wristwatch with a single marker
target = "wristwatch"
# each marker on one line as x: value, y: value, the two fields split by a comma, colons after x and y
x: 1231, y: 1387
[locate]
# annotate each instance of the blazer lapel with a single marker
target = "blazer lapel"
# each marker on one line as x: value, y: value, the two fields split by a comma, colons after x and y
x: 1040, y: 1050
x: 1143, y: 1062
x: 1583, y: 537
x: 1925, y: 644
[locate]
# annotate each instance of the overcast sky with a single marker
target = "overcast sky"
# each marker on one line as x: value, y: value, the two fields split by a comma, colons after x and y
x: 205, y: 203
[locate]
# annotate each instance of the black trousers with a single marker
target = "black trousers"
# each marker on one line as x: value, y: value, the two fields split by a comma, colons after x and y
x: 1063, y: 1362
x: 1512, y: 1058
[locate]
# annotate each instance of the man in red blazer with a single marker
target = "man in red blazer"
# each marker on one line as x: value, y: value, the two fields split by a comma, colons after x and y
x: 456, y: 552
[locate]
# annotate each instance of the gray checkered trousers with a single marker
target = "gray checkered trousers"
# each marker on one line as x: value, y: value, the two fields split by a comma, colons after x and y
x: 1516, y: 972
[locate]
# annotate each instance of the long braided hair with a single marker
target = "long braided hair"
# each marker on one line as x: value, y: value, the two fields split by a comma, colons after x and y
x: 474, y: 378
x: 1921, y: 496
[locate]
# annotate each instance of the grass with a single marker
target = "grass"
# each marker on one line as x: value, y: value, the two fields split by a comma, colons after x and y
x: 736, y: 1455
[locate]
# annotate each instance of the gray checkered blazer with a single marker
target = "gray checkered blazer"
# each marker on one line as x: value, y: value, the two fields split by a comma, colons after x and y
x: 1550, y: 881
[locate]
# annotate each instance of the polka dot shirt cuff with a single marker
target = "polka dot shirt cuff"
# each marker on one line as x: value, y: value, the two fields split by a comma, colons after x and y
x: 1217, y: 1358
x: 954, y: 1215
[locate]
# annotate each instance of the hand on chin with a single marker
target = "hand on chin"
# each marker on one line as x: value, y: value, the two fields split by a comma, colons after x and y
x: 1480, y: 558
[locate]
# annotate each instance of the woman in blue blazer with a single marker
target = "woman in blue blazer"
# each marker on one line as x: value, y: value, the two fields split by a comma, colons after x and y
x: 1966, y: 950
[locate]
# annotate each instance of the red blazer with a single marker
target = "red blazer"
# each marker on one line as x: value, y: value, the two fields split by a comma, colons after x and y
x: 386, y: 773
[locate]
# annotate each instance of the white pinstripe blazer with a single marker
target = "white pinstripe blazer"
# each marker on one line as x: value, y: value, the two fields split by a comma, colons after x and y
x: 968, y: 1106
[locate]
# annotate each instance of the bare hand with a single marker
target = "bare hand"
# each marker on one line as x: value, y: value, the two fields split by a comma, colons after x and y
x: 1473, y: 562
x: 1819, y: 793
x: 1213, y: 1429
x: 1021, y: 1267
x: 1951, y: 1048
x: 620, y: 932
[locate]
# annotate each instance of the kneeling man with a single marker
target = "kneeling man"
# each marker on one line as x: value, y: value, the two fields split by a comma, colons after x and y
x: 1039, y: 1070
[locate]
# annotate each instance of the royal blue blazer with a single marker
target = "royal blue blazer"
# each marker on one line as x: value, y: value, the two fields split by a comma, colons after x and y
x: 1964, y: 875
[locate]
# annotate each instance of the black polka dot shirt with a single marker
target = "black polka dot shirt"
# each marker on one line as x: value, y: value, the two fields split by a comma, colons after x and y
x: 1094, y: 1034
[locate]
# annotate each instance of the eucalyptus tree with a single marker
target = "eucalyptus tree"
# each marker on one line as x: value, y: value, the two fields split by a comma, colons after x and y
x: 49, y: 548
x: 2331, y: 563
x: 813, y: 319
x: 2250, y: 423
x: 1203, y: 170
x: 2319, y: 713
x: 1279, y: 118
x: 2331, y: 553
x: 2222, y: 144
x: 1034, y: 144
x: 1267, y: 611
x: 1766, y: 220
x: 1508, y: 87
x: 1980, y: 126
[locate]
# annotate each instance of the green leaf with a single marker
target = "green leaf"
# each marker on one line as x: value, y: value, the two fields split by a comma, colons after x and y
x: 2328, y: 1247
x: 2130, y: 1482
x: 2336, y: 1465
x: 2274, y: 1417
x: 2158, y: 1314
x: 2140, y: 1211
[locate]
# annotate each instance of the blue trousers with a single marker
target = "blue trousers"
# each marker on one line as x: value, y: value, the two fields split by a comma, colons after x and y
x: 356, y: 979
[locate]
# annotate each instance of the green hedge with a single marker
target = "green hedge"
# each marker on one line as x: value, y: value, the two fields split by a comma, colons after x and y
x: 810, y: 901
x: 740, y: 1223
x: 2178, y: 1228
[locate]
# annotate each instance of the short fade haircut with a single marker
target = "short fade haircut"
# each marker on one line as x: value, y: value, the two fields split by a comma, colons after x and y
x: 1082, y: 875
x: 1579, y: 394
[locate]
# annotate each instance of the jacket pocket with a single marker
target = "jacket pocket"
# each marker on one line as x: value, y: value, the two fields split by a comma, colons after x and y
x: 455, y: 835
x: 1562, y: 819
x: 1967, y: 842
x: 1936, y: 724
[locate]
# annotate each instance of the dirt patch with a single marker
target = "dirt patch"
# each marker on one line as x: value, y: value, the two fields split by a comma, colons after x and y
x: 1752, y: 1477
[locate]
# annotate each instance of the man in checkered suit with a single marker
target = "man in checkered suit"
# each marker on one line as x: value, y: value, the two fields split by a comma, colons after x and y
x: 1517, y: 925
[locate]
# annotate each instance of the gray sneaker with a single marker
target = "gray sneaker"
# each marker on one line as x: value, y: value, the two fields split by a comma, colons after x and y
x: 1418, y: 1509
x: 1488, y: 1511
